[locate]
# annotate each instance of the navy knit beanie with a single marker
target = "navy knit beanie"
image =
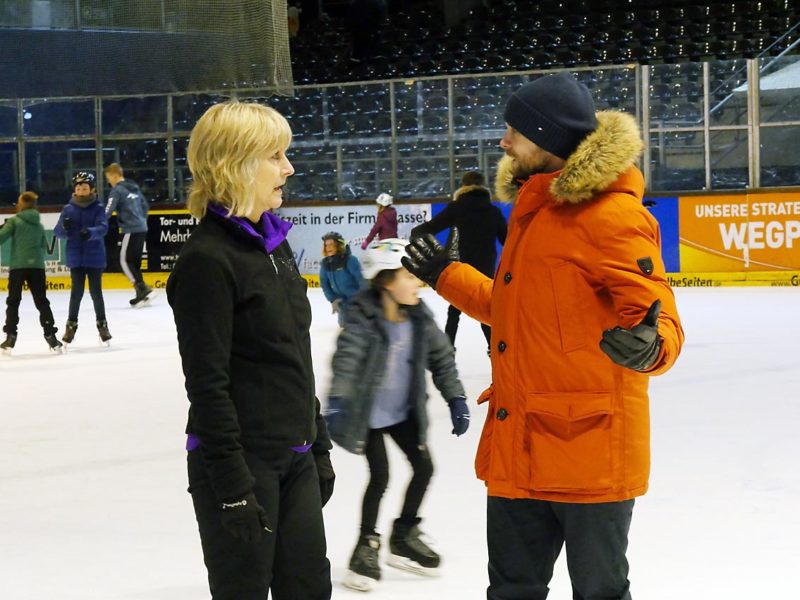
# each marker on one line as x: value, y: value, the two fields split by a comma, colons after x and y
x: 555, y: 112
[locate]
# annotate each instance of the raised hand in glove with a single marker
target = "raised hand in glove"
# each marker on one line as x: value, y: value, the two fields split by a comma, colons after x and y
x: 85, y: 234
x: 244, y: 518
x: 326, y: 475
x: 635, y: 348
x: 459, y: 415
x: 67, y: 223
x: 427, y: 259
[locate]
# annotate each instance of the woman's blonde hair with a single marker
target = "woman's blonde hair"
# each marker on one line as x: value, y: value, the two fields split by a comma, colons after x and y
x: 225, y: 149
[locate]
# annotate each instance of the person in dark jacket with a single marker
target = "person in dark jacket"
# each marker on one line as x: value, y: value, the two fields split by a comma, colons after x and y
x: 378, y: 389
x: 83, y: 224
x: 28, y: 244
x: 480, y: 225
x: 131, y: 207
x: 258, y: 451
x: 386, y: 223
x: 339, y: 273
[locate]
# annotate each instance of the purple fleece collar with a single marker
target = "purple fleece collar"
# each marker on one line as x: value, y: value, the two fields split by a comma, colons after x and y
x: 275, y: 228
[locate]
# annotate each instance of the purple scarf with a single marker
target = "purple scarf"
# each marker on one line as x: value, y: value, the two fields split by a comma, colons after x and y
x: 274, y: 228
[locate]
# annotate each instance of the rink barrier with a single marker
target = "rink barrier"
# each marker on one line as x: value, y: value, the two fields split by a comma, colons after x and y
x: 707, y: 240
x: 117, y: 281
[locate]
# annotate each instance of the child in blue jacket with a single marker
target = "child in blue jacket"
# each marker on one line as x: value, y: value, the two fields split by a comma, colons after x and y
x: 83, y: 224
x: 339, y: 273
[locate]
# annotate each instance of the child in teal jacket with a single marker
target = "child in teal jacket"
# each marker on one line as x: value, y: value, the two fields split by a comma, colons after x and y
x: 27, y: 248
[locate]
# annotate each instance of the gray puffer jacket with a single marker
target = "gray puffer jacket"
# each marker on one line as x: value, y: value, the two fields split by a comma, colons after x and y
x: 359, y: 364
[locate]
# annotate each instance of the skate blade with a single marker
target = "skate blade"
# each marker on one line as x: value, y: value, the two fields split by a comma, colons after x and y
x: 357, y: 582
x: 57, y: 349
x: 146, y: 300
x: 406, y: 564
x: 5, y: 351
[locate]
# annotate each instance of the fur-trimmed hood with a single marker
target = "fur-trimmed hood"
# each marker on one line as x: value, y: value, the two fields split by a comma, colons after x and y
x: 597, y: 163
x: 470, y: 188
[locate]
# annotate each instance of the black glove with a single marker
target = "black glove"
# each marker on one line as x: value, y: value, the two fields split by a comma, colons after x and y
x: 459, y: 415
x: 427, y: 259
x: 67, y: 223
x: 326, y: 475
x: 85, y: 234
x: 635, y: 348
x: 244, y: 518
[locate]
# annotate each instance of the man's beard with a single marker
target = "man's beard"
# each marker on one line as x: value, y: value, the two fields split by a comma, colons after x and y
x: 524, y: 168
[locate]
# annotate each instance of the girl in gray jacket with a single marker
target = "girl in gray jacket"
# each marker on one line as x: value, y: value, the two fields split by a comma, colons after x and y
x: 389, y: 339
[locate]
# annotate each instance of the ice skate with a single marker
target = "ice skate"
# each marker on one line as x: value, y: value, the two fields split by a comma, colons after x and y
x: 409, y: 552
x: 144, y: 293
x: 53, y: 343
x: 69, y: 332
x: 365, y: 570
x: 8, y: 344
x: 105, y: 334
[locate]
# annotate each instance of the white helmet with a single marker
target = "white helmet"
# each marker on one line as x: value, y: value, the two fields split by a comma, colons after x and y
x: 384, y: 199
x: 382, y: 255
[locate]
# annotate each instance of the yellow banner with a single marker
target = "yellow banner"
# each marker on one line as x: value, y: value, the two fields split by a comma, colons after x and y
x: 739, y: 233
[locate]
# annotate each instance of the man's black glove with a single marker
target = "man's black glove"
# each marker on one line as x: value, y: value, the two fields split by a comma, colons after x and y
x: 67, y: 223
x: 427, y: 259
x: 326, y: 475
x: 244, y: 518
x: 635, y: 348
x: 85, y: 234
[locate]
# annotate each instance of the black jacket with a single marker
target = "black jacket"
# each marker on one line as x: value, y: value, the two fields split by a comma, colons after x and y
x: 360, y: 360
x: 479, y: 224
x: 243, y: 320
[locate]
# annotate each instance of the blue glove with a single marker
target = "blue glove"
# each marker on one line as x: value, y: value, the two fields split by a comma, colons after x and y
x: 459, y: 414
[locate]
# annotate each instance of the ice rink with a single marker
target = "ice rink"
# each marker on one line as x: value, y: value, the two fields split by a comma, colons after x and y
x: 93, y: 502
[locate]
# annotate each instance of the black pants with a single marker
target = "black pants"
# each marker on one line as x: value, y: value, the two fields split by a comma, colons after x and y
x: 79, y: 276
x: 290, y: 562
x: 406, y: 436
x: 451, y: 327
x: 525, y: 538
x: 38, y: 286
x: 130, y: 256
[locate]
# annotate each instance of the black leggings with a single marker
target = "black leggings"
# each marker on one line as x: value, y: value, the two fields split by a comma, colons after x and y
x: 406, y: 436
x: 451, y: 327
x: 37, y: 283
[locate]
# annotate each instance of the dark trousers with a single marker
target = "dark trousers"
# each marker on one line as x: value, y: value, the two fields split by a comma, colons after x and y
x: 525, y: 538
x: 406, y: 436
x: 37, y: 283
x: 79, y: 276
x: 130, y: 256
x: 451, y: 327
x: 290, y: 562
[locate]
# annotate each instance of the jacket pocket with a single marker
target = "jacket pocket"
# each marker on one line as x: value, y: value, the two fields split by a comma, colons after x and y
x: 483, y: 457
x: 571, y: 438
x: 567, y: 286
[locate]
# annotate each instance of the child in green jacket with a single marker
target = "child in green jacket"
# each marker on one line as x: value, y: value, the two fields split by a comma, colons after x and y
x: 27, y: 249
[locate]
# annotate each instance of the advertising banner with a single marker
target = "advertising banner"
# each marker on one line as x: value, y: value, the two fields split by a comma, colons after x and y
x: 738, y: 233
x: 351, y: 222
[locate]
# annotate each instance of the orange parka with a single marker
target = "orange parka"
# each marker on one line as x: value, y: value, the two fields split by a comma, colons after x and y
x: 564, y: 422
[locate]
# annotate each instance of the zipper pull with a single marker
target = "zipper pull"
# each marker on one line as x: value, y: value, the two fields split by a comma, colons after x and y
x: 274, y: 266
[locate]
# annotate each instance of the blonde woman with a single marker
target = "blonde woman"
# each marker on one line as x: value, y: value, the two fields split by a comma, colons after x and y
x: 258, y: 450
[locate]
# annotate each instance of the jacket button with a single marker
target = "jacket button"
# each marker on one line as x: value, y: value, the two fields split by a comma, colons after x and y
x: 501, y: 346
x: 507, y: 277
x: 502, y: 414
